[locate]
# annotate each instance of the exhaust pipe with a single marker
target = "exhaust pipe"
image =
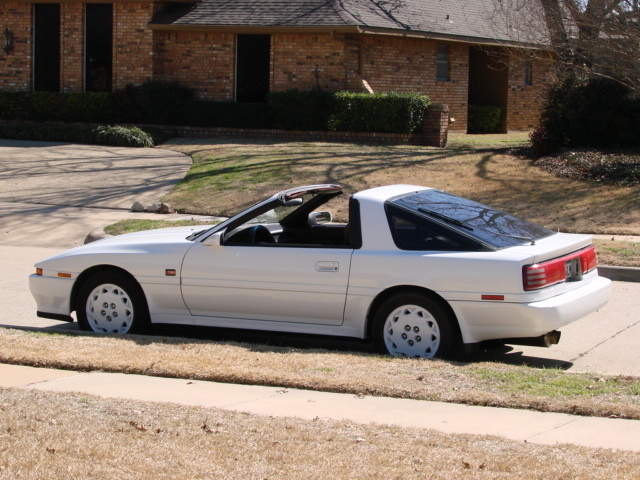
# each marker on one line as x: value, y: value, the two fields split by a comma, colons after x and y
x: 546, y: 340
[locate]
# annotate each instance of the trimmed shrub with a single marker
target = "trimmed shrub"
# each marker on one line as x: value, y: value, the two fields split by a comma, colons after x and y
x: 93, y: 107
x: 597, y: 113
x: 90, y: 107
x: 158, y: 103
x: 200, y: 113
x: 297, y: 110
x: 484, y: 119
x: 378, y: 112
x: 14, y: 106
x: 116, y: 135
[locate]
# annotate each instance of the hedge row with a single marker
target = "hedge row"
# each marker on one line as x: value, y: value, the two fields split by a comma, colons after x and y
x: 484, y: 118
x: 158, y: 103
x: 102, y: 135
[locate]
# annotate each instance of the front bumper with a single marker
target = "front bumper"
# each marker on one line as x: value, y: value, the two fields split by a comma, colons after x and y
x: 52, y: 296
x: 480, y: 321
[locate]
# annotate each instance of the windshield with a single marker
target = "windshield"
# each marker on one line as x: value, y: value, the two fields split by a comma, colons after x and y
x: 279, y: 213
x: 492, y: 227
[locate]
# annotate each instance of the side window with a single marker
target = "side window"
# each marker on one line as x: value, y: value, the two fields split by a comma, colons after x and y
x: 98, y: 61
x: 442, y: 63
x: 528, y: 78
x: 46, y: 47
x: 412, y: 232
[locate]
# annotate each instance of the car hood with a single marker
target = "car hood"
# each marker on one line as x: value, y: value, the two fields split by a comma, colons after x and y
x: 166, y: 242
x: 155, y: 235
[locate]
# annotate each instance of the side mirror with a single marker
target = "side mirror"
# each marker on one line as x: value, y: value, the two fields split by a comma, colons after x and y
x: 317, y: 218
x: 292, y: 202
x: 214, y: 240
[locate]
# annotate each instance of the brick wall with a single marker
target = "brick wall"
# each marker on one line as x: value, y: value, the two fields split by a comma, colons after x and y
x: 203, y: 61
x: 15, y: 66
x: 132, y: 44
x: 306, y: 62
x: 409, y: 65
x: 525, y: 101
x: 72, y: 47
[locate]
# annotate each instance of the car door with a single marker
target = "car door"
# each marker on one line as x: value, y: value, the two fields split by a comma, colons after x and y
x: 267, y: 283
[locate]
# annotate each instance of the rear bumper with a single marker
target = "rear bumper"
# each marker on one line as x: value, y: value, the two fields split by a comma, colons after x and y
x: 481, y: 321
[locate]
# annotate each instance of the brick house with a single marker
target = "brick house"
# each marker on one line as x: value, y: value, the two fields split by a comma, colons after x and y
x: 457, y: 53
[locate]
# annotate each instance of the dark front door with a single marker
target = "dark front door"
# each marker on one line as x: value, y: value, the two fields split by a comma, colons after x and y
x: 253, y: 54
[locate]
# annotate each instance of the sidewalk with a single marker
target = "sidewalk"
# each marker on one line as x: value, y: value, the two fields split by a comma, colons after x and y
x: 518, y: 425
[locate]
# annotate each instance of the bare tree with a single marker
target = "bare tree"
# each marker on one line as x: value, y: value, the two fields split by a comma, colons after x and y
x: 589, y: 37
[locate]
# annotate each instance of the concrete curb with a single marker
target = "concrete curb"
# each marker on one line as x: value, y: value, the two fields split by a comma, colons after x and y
x: 620, y: 274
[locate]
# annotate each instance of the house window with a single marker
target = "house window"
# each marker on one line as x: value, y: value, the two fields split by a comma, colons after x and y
x: 442, y: 63
x: 46, y: 47
x: 527, y: 72
x: 98, y: 60
x: 253, y: 60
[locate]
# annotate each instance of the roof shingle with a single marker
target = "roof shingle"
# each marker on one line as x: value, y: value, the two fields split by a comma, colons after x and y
x: 471, y: 19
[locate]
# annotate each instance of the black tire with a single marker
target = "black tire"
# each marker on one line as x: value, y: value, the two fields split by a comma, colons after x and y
x: 111, y: 302
x: 416, y: 326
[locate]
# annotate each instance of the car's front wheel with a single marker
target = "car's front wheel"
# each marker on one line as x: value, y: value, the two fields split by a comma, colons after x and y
x: 110, y: 302
x: 413, y: 325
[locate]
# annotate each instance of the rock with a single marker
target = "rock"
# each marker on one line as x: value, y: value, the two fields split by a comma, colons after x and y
x: 153, y: 208
x: 165, y: 208
x: 137, y: 207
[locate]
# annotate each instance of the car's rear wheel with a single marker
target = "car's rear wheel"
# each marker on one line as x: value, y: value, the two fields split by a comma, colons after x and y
x: 414, y: 325
x: 110, y: 302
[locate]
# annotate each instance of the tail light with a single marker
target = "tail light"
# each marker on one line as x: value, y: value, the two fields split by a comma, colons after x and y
x: 564, y: 269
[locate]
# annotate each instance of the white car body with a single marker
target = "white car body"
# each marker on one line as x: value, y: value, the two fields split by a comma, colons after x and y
x: 323, y: 289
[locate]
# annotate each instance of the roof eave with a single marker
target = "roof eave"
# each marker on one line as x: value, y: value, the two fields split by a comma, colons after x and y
x: 489, y: 42
x: 255, y: 29
x: 328, y: 29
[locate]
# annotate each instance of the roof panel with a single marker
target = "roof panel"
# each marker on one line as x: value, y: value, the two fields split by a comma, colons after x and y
x: 481, y: 19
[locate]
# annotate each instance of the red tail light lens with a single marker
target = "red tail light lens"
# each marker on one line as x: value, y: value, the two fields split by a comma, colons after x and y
x: 588, y: 259
x: 568, y: 268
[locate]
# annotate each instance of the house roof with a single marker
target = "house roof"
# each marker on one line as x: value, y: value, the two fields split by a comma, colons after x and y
x: 469, y: 20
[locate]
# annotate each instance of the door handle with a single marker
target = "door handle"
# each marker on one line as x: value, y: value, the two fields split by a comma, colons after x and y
x: 327, y: 266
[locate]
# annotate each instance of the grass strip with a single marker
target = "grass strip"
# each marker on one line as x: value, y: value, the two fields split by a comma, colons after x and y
x: 51, y: 436
x: 481, y: 383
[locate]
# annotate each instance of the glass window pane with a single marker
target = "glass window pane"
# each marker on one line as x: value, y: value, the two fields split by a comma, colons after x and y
x: 442, y: 63
x: 486, y: 224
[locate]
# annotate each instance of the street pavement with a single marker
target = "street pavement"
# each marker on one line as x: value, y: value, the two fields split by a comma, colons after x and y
x: 604, y: 342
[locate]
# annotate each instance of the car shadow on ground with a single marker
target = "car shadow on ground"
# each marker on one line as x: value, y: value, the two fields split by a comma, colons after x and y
x: 263, y: 341
x: 505, y: 354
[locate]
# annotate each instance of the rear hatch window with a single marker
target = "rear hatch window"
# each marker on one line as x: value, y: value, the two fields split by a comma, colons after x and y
x: 487, y: 225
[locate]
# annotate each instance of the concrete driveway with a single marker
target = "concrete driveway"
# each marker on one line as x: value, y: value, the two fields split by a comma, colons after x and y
x: 604, y: 342
x: 64, y: 174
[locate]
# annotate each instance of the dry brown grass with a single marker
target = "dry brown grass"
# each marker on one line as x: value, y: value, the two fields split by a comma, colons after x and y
x: 478, y: 383
x: 229, y: 175
x: 72, y: 436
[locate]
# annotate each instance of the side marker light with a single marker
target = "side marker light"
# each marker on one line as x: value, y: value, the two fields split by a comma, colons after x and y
x: 493, y: 297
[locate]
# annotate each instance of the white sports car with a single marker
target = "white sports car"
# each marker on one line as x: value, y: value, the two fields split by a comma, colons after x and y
x: 419, y: 271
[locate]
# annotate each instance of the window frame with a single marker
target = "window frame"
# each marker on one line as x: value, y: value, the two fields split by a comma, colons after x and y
x: 442, y: 63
